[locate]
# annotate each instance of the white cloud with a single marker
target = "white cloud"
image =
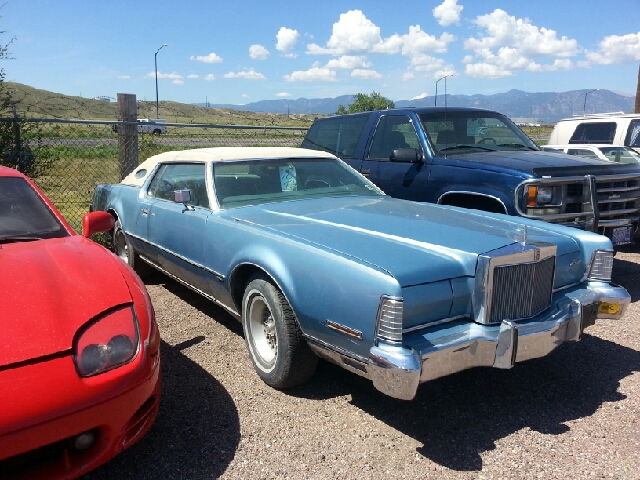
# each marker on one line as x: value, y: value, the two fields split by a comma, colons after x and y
x: 511, y: 44
x: 193, y: 75
x: 283, y: 94
x: 244, y: 95
x: 421, y: 96
x: 314, y: 74
x: 250, y: 74
x: 172, y: 76
x: 616, y: 49
x: 258, y: 52
x: 348, y: 62
x: 417, y: 41
x: 447, y: 12
x: 486, y: 70
x: 178, y: 82
x: 506, y: 30
x: 408, y: 76
x: 286, y: 39
x: 124, y: 77
x: 211, y: 58
x: 210, y: 77
x: 367, y: 74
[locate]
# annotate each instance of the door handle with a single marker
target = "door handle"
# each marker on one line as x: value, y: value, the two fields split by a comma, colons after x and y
x: 365, y: 172
x: 145, y: 212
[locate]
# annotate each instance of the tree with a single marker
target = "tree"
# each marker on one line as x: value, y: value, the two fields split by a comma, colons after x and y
x: 366, y: 103
x: 18, y: 138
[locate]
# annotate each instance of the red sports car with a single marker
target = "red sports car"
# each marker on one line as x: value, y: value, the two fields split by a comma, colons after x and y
x: 79, y: 344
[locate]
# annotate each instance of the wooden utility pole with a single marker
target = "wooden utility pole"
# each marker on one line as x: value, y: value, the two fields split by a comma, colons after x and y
x: 638, y: 94
x: 127, y: 134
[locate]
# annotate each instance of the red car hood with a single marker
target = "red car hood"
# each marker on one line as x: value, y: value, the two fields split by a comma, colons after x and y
x: 50, y: 288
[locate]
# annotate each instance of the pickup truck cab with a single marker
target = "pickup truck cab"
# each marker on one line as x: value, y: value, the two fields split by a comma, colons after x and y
x: 155, y: 126
x: 480, y: 159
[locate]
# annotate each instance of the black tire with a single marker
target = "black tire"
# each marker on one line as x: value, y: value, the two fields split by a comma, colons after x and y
x: 123, y: 249
x: 280, y: 354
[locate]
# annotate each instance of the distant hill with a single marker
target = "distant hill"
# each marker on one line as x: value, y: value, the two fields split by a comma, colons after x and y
x: 547, y: 107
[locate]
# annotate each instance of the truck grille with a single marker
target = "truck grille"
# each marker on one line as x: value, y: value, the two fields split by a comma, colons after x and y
x: 617, y: 200
x: 522, y: 290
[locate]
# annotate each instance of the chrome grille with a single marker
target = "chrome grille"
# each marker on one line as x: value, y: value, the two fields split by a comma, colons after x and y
x: 522, y: 290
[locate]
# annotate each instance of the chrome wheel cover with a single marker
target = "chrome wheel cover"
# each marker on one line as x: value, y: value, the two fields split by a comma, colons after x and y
x: 121, y: 248
x: 262, y: 328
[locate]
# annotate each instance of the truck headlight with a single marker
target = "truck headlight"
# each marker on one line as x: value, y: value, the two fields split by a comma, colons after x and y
x: 601, y: 266
x: 389, y: 321
x: 538, y: 195
x: 107, y: 343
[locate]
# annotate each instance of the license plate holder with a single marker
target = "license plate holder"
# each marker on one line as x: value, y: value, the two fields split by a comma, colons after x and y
x: 621, y: 235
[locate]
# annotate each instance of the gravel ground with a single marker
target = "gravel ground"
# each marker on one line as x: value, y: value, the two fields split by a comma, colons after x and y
x: 573, y: 414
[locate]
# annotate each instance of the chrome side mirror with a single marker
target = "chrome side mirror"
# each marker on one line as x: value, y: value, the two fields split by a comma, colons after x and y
x: 184, y: 197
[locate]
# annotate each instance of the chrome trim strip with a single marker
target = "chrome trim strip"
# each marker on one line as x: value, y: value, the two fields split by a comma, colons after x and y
x: 188, y: 285
x: 473, y: 193
x: 345, y: 330
x: 438, y: 322
x: 219, y: 276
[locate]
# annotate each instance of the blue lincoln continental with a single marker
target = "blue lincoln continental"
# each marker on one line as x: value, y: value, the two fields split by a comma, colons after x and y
x: 317, y: 262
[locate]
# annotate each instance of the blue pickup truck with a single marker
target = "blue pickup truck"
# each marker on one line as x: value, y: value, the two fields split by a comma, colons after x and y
x: 479, y: 159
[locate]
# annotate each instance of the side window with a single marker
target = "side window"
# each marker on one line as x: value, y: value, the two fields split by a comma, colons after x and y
x: 603, y: 132
x: 180, y: 176
x: 582, y: 152
x: 393, y: 132
x: 633, y: 134
x: 338, y: 135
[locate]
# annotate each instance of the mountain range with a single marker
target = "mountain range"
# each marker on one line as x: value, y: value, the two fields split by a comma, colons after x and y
x: 547, y: 107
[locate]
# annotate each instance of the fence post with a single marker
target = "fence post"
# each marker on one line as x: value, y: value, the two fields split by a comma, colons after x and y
x: 127, y: 134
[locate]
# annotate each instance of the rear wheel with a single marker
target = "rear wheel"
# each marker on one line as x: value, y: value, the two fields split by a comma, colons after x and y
x: 123, y: 249
x: 280, y: 354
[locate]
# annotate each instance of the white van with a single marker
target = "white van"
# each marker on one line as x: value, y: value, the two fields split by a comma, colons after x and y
x: 615, y: 128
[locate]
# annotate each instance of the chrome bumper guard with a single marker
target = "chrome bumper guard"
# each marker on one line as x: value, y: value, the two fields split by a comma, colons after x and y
x: 452, y: 347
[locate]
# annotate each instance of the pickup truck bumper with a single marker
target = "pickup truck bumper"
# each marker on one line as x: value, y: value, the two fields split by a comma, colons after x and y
x: 451, y: 347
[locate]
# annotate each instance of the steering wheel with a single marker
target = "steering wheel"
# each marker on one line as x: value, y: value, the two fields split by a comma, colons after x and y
x: 487, y: 139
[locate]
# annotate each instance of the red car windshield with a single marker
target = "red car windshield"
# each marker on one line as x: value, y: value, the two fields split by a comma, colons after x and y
x: 24, y: 216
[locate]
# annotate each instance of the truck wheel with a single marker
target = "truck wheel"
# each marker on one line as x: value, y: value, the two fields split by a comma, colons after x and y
x: 280, y: 355
x: 157, y: 132
x: 123, y: 249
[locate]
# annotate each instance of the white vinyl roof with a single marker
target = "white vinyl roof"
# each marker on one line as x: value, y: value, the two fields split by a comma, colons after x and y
x: 220, y: 154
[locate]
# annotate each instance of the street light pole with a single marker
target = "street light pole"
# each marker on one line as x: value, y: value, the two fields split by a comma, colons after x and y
x: 435, y: 103
x: 584, y: 106
x: 155, y: 57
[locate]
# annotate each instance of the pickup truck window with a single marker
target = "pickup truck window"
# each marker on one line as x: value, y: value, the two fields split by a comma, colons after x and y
x: 596, y: 132
x: 338, y: 135
x: 473, y: 132
x: 633, y: 134
x: 180, y: 176
x: 582, y: 152
x: 393, y: 132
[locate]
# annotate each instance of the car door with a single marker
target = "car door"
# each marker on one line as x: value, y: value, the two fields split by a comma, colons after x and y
x: 406, y: 180
x: 177, y: 231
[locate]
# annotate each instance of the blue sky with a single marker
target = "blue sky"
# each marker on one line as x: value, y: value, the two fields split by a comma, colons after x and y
x: 240, y: 52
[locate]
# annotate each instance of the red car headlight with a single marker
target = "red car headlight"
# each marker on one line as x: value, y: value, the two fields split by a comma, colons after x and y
x: 110, y: 341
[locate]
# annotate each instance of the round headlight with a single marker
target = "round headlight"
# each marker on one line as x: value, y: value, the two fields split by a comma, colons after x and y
x: 120, y: 348
x: 93, y: 358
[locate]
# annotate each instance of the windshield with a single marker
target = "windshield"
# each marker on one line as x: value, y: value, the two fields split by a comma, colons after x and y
x: 23, y: 214
x: 255, y: 182
x: 472, y: 132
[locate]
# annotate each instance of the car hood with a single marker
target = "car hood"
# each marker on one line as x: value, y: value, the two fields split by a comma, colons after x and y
x: 50, y: 288
x: 540, y: 163
x: 416, y: 243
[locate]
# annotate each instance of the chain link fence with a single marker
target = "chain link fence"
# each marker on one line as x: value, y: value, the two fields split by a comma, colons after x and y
x: 68, y: 158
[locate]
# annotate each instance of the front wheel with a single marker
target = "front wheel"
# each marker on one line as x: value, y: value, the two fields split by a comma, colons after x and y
x: 123, y: 249
x: 279, y: 353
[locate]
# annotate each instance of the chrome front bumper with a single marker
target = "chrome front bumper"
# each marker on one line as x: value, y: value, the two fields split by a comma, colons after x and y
x: 448, y: 348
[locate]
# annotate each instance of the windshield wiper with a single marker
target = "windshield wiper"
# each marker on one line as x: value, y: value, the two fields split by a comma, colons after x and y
x: 18, y: 238
x: 453, y: 147
x: 515, y: 145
